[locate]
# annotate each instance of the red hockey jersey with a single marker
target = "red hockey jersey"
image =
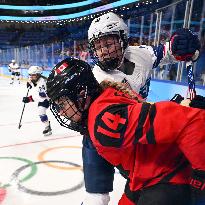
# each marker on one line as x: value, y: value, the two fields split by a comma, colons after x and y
x: 147, y: 142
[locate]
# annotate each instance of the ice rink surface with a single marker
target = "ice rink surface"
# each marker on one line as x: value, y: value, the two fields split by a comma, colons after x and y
x: 36, y: 169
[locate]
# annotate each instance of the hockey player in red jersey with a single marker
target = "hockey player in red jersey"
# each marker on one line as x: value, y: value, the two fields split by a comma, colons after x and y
x: 116, y: 60
x: 130, y: 134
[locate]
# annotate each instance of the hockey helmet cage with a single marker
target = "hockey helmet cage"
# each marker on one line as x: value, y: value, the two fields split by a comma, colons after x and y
x: 68, y: 79
x: 105, y: 25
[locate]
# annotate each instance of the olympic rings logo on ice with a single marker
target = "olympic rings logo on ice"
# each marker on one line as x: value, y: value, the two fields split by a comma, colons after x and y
x: 15, y: 178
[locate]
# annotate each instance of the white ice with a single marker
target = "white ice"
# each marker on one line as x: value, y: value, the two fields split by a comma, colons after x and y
x: 18, y: 147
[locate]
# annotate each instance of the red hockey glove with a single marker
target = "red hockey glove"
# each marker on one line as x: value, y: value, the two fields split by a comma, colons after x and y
x: 27, y: 99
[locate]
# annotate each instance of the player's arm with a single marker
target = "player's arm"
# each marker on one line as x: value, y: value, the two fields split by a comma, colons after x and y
x: 196, y: 156
x: 192, y: 144
x: 197, y: 102
x: 182, y: 46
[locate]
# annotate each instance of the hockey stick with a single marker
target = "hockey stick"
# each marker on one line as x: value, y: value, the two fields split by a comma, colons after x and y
x: 191, y: 81
x: 23, y: 110
x: 189, y: 64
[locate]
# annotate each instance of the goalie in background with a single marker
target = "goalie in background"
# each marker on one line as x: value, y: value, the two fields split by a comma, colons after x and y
x: 37, y: 84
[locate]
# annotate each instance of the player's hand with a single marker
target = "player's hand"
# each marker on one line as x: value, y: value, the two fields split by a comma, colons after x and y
x: 28, y: 85
x: 185, y: 45
x: 177, y: 98
x: 180, y: 100
x: 27, y: 99
x: 198, y: 102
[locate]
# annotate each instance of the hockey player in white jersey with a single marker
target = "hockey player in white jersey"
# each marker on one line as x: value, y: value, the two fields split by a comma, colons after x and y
x: 37, y: 84
x: 115, y: 60
x: 15, y: 71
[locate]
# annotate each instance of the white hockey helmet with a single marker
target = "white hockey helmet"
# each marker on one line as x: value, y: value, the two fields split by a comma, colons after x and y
x: 105, y: 25
x: 13, y: 61
x: 35, y: 70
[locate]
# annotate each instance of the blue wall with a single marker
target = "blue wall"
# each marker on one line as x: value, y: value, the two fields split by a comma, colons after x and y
x: 159, y: 90
x: 165, y: 90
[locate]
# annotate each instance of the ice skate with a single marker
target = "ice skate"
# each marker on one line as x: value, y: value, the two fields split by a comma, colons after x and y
x: 47, y: 131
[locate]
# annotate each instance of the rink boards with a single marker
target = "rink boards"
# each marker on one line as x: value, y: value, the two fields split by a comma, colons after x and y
x: 159, y: 89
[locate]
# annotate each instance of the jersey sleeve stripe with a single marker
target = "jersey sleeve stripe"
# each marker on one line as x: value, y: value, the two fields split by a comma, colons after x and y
x: 150, y: 134
x: 142, y: 117
x: 169, y: 176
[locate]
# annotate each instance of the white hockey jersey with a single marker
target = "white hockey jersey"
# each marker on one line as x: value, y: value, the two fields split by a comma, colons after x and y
x: 38, y: 90
x: 14, y: 67
x: 144, y: 59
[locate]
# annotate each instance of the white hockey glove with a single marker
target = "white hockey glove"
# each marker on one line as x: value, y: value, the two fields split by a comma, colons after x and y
x: 96, y: 199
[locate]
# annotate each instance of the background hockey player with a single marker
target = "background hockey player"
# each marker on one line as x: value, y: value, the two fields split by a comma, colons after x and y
x: 15, y: 71
x: 132, y: 65
x: 126, y: 131
x: 37, y: 84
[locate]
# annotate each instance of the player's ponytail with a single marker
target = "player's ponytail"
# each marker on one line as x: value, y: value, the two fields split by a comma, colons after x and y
x: 120, y: 87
